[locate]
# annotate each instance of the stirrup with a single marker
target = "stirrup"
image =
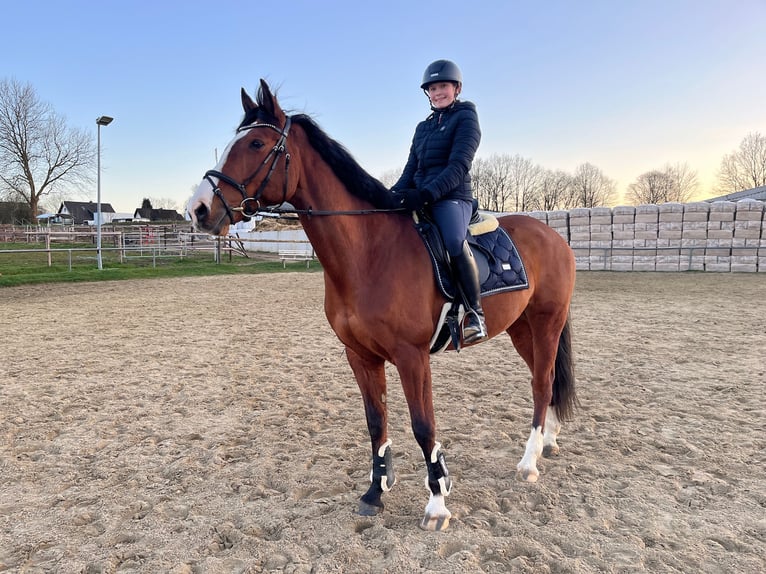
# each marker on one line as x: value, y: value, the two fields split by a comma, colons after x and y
x: 474, y: 332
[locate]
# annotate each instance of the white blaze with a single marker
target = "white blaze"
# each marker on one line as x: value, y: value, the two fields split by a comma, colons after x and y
x: 204, y: 194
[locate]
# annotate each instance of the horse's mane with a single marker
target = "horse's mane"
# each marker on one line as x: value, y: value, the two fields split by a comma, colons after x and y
x: 356, y: 180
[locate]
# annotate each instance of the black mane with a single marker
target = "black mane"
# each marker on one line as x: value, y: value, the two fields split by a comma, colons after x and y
x: 356, y: 180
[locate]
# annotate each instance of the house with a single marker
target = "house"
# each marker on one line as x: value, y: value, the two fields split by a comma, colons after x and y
x: 755, y: 193
x: 84, y: 212
x: 151, y: 214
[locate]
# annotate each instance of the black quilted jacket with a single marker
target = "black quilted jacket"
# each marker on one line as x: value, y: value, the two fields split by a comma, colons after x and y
x: 441, y: 153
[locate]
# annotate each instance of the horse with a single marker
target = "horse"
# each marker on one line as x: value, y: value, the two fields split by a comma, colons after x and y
x: 380, y: 297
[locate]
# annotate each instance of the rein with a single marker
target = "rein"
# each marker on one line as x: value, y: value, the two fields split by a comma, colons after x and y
x: 311, y: 212
x: 249, y: 211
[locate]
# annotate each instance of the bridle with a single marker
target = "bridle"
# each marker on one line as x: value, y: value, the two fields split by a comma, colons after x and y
x: 250, y: 205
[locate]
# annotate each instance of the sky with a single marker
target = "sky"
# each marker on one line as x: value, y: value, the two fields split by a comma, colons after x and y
x: 626, y: 86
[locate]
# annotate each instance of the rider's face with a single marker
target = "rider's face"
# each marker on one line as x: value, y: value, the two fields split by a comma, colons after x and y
x: 442, y: 94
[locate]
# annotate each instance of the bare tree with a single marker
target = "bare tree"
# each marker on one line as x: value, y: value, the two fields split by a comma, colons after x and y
x: 525, y: 183
x: 490, y: 182
x: 675, y: 183
x: 38, y: 152
x: 591, y: 188
x: 390, y: 177
x: 162, y: 203
x: 479, y: 177
x: 650, y: 188
x: 744, y: 168
x: 556, y: 191
x: 506, y: 183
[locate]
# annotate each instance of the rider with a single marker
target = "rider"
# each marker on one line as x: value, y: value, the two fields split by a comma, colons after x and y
x: 437, y: 174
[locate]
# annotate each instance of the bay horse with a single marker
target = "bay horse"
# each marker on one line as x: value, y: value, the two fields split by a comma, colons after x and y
x: 380, y: 295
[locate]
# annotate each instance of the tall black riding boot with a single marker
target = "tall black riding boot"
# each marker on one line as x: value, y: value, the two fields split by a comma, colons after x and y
x: 464, y: 265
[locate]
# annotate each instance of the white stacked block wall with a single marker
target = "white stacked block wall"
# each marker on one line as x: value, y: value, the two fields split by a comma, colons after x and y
x: 720, y: 236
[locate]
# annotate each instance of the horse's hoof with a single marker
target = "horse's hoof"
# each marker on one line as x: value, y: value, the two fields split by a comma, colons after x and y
x: 550, y: 450
x: 366, y: 509
x: 528, y: 475
x: 435, y: 523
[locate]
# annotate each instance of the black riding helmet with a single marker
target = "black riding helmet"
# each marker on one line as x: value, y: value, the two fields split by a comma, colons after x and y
x: 441, y: 71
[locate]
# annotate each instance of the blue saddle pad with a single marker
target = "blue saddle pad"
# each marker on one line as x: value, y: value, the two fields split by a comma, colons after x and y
x: 500, y: 266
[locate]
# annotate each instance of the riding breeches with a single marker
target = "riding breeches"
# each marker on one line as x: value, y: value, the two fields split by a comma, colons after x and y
x: 452, y: 217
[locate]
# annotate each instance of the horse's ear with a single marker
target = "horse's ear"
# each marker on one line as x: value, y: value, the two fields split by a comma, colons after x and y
x: 269, y: 102
x: 247, y: 102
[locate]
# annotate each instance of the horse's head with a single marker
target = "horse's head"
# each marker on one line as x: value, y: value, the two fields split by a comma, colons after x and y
x: 253, y: 172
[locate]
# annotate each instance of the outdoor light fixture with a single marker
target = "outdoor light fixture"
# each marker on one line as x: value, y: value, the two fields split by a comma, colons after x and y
x: 101, y: 121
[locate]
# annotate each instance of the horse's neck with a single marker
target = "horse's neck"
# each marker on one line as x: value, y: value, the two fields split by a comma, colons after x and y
x: 340, y: 241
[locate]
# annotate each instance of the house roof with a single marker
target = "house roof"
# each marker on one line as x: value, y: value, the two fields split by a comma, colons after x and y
x: 157, y: 214
x: 82, y: 211
x: 755, y: 193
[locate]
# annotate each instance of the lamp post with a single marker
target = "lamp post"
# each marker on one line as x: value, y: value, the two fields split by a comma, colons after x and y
x: 100, y: 121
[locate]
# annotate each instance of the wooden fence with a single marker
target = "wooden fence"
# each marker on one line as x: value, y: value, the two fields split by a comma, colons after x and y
x: 722, y: 236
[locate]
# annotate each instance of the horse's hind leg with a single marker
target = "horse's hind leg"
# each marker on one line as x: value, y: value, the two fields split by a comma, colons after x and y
x: 539, y: 353
x: 551, y: 432
x: 371, y: 377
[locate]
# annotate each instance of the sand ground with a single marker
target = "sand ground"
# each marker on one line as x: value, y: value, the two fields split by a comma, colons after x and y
x: 212, y: 425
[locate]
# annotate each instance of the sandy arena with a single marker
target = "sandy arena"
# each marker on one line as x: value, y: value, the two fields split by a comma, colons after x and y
x: 212, y: 425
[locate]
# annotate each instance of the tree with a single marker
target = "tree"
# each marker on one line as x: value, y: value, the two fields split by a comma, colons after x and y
x: 506, y: 183
x: 675, y: 183
x: 38, y: 152
x: 555, y: 191
x: 525, y: 183
x: 591, y: 188
x: 390, y: 177
x: 744, y: 168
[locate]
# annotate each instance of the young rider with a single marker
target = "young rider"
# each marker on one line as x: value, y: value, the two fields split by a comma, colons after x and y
x: 437, y: 175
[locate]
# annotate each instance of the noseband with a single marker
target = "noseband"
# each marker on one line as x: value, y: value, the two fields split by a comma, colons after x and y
x: 249, y: 206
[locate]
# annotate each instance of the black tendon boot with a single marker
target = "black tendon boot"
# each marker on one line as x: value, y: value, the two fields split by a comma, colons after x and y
x: 464, y: 265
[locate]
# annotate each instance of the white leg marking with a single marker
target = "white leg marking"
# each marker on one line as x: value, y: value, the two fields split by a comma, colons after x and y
x: 527, y: 468
x: 437, y: 516
x: 552, y: 430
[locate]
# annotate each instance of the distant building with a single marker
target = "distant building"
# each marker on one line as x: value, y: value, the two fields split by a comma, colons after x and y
x: 755, y: 193
x: 55, y: 219
x: 85, y: 212
x: 151, y: 214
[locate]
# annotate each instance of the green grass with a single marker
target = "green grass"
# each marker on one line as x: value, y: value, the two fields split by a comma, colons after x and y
x: 32, y: 268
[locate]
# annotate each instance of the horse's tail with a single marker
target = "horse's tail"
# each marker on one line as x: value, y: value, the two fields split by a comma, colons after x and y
x: 564, y: 396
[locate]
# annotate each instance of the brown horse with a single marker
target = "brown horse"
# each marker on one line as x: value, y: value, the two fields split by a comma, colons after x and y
x: 380, y: 295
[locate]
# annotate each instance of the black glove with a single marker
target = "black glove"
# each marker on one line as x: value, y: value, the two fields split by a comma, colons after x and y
x: 410, y: 199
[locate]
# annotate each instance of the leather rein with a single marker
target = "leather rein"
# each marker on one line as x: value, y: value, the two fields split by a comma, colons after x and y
x: 251, y: 206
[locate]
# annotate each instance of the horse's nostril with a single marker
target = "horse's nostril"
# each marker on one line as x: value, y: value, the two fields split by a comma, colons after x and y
x: 200, y: 212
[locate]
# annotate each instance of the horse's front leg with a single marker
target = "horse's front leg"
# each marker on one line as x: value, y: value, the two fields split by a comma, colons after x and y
x: 415, y: 372
x: 371, y: 377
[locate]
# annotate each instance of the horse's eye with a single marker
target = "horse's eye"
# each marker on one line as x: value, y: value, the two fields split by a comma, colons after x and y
x: 256, y: 144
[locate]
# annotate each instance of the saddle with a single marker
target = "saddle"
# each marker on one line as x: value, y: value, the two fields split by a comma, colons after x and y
x: 500, y: 269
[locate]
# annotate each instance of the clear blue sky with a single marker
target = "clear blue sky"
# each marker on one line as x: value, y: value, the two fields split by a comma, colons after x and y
x: 626, y: 86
